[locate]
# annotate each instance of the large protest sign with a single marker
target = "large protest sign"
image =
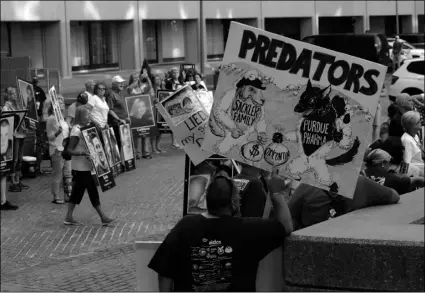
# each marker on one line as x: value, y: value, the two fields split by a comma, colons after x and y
x: 187, y: 117
x: 27, y: 98
x: 115, y: 150
x: 140, y: 112
x: 160, y: 121
x: 206, y: 98
x: 7, y: 123
x: 55, y: 105
x: 292, y: 105
x: 99, y: 159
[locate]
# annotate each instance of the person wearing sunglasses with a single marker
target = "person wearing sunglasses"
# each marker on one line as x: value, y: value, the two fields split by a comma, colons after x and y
x: 98, y: 106
x: 217, y: 250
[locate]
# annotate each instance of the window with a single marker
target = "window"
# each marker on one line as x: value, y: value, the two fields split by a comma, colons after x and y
x: 217, y: 33
x: 94, y: 45
x: 417, y: 67
x: 150, y: 35
x: 5, y: 40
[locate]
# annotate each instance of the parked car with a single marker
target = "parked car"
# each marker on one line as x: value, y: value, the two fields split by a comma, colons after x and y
x: 416, y: 39
x: 372, y: 47
x: 409, y: 78
x: 408, y: 51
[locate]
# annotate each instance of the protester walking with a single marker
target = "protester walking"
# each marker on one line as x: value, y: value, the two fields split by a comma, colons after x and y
x: 19, y: 135
x: 117, y: 107
x: 238, y: 244
x: 56, y: 134
x: 81, y: 170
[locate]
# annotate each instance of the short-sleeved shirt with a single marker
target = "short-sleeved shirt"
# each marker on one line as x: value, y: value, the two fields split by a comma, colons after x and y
x: 399, y: 183
x: 99, y: 113
x: 71, y: 110
x: 412, y: 152
x: 80, y: 163
x: 116, y: 103
x: 216, y: 254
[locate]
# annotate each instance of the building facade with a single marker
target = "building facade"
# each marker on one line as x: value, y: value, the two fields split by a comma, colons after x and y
x: 86, y: 36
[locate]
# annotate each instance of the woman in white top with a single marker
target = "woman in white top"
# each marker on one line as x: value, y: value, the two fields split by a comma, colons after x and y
x: 81, y: 170
x: 98, y: 106
x: 56, y: 134
x: 413, y: 147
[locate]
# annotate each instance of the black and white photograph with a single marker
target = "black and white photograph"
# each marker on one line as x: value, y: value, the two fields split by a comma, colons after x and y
x: 107, y: 146
x: 198, y: 177
x: 99, y: 159
x: 127, y: 147
x: 26, y: 91
x: 140, y: 111
x: 6, y: 127
x: 160, y: 121
x: 116, y: 157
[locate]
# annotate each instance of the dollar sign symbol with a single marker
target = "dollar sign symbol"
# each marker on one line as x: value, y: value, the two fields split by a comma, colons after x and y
x: 254, y: 151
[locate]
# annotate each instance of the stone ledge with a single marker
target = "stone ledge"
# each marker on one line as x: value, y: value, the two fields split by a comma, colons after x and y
x: 374, y: 249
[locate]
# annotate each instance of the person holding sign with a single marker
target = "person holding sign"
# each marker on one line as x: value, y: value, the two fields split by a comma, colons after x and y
x: 57, y: 132
x: 6, y: 155
x: 81, y: 169
x: 13, y: 104
x: 216, y: 251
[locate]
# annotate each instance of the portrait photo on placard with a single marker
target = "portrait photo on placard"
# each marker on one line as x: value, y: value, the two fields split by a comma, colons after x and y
x: 160, y: 96
x: 181, y: 104
x: 96, y: 151
x: 108, y: 146
x: 6, y: 127
x: 140, y: 111
x: 115, y: 150
x: 198, y: 177
x: 126, y: 142
x: 26, y: 91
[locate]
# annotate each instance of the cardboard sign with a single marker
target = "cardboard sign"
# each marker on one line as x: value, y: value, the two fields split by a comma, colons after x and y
x: 187, y: 118
x: 127, y: 147
x: 292, y: 105
x: 55, y: 104
x: 206, y: 98
x: 160, y: 121
x: 140, y: 112
x: 28, y: 102
x: 99, y: 159
x: 197, y: 179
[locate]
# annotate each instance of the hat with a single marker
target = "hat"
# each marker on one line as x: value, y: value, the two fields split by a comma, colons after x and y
x: 118, y: 79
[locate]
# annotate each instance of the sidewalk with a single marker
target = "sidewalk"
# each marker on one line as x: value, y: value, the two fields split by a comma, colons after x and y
x: 148, y: 202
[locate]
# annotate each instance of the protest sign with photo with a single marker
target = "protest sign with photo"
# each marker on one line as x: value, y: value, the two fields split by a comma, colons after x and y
x: 197, y: 179
x: 110, y: 151
x: 27, y: 97
x: 187, y: 118
x: 292, y: 105
x: 116, y: 155
x: 19, y: 117
x: 7, y: 123
x: 160, y: 121
x: 55, y: 104
x: 127, y: 147
x: 99, y: 159
x: 140, y: 112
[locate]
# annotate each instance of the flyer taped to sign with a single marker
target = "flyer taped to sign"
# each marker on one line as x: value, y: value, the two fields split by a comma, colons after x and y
x: 288, y: 104
x: 187, y: 118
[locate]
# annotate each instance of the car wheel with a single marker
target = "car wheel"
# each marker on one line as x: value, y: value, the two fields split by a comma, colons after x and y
x: 412, y: 91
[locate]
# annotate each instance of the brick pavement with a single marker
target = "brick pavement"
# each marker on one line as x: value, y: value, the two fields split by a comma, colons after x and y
x: 148, y: 202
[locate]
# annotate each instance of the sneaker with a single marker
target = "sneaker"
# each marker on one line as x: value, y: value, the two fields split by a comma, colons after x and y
x: 23, y: 186
x: 14, y: 188
x: 8, y: 206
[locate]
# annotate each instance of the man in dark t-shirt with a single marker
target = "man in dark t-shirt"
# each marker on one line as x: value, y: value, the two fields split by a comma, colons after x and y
x: 216, y: 251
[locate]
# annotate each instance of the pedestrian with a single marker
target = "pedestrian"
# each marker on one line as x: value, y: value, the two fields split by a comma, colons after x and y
x: 99, y: 109
x: 232, y: 246
x: 397, y: 47
x: 155, y: 134
x: 56, y: 134
x: 89, y: 85
x: 143, y: 86
x: 19, y: 135
x: 414, y: 152
x: 81, y: 170
x: 117, y: 107
x: 40, y: 97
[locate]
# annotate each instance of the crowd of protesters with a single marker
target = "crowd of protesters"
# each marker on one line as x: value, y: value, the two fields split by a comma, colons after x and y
x: 106, y: 108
